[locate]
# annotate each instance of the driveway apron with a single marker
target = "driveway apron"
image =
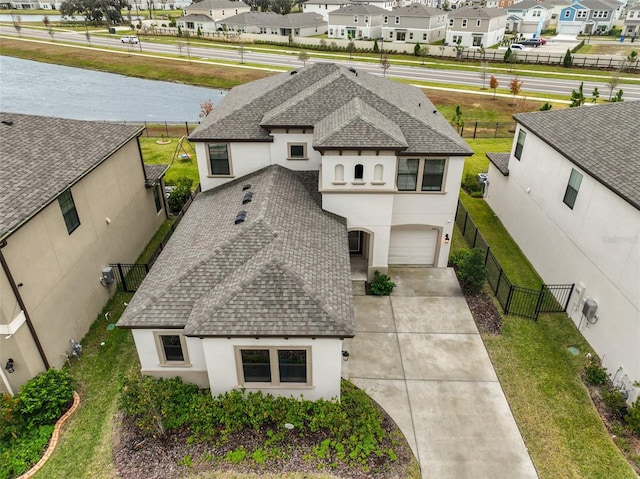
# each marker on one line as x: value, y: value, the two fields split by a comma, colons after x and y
x: 418, y: 353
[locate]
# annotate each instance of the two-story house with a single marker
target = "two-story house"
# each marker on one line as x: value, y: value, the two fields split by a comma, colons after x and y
x: 294, y: 24
x: 356, y: 22
x: 75, y: 197
x: 206, y: 14
x: 323, y: 7
x: 301, y: 173
x: 570, y: 197
x: 529, y: 18
x: 587, y: 17
x: 476, y: 27
x: 414, y: 23
x: 632, y: 23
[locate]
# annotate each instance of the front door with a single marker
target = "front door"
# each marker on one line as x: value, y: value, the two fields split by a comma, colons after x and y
x: 401, y: 36
x: 355, y: 243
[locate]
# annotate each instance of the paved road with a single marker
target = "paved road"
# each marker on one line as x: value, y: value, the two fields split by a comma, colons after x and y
x: 253, y: 55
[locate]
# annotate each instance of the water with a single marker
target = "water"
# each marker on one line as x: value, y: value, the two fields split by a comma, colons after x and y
x: 52, y: 90
x: 24, y: 18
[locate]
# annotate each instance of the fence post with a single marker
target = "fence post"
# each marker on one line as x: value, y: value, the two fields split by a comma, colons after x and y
x: 566, y: 303
x: 498, y: 282
x: 124, y: 283
x: 475, y: 237
x: 486, y: 256
x: 166, y: 129
x: 509, y: 296
x: 186, y: 127
x: 146, y: 267
x: 464, y: 227
x: 539, y: 303
x: 495, y: 134
x: 475, y: 128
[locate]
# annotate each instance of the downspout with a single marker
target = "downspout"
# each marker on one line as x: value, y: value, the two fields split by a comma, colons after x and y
x: 16, y: 293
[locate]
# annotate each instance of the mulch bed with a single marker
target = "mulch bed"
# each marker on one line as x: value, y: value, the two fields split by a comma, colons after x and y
x: 175, y: 456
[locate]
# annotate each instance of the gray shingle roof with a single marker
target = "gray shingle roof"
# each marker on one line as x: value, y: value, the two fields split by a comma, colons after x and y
x: 40, y: 157
x: 360, y: 9
x: 217, y: 4
x: 602, y: 140
x: 283, y: 272
x: 270, y: 19
x: 417, y: 10
x: 196, y: 17
x: 527, y: 4
x: 153, y: 173
x: 501, y: 161
x: 477, y: 12
x: 314, y: 93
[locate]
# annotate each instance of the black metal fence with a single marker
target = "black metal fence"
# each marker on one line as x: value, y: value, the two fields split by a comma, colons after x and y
x: 516, y: 300
x: 129, y: 277
x: 578, y: 60
x: 487, y: 129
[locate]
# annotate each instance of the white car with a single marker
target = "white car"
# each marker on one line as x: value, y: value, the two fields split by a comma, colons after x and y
x: 516, y: 47
x: 129, y: 39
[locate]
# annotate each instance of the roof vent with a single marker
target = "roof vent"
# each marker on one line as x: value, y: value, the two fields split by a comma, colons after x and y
x: 246, y: 187
x: 240, y: 217
x: 7, y: 122
x: 293, y: 72
x: 248, y: 196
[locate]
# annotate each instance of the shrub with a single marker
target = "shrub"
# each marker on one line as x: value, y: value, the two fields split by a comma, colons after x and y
x: 381, y: 285
x: 595, y: 374
x: 472, y: 271
x: 470, y: 184
x: 46, y: 397
x: 180, y: 194
x: 633, y: 417
x: 456, y: 256
x: 615, y: 400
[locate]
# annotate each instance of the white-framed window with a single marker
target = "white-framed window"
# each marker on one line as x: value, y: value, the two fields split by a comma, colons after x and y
x: 464, y: 23
x: 355, y: 19
x: 477, y: 41
x: 219, y: 161
x: 424, y: 36
x: 172, y: 348
x: 582, y: 14
x: 366, y: 19
x: 421, y: 174
x: 410, y: 35
x: 397, y: 20
x: 358, y: 172
x: 451, y: 22
x: 456, y: 38
x: 536, y: 13
x: 385, y: 19
x: 573, y: 186
x: 478, y: 23
x: 522, y: 135
x: 567, y: 13
x: 297, y: 151
x: 273, y: 366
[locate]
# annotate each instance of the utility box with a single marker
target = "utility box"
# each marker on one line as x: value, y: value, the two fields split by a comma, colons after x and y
x: 589, y: 309
x: 108, y: 276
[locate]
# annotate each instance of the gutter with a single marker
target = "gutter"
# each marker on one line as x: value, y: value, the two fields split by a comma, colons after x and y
x: 16, y: 292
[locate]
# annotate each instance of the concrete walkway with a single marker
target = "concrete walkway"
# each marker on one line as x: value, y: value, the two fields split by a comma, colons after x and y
x: 419, y: 355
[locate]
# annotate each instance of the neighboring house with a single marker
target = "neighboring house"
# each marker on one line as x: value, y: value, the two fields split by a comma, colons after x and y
x: 632, y: 23
x: 141, y: 5
x: 529, y: 18
x: 323, y: 7
x: 588, y: 17
x: 571, y: 200
x: 75, y: 197
x: 476, y: 27
x: 357, y: 22
x: 294, y: 24
x: 301, y: 174
x: 385, y: 4
x: 206, y: 13
x: 556, y: 7
x: 414, y: 23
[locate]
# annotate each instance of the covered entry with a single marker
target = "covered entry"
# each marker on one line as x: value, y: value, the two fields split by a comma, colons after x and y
x: 413, y: 244
x: 359, y: 243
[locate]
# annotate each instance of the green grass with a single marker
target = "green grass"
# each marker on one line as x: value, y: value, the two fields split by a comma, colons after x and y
x: 541, y: 379
x: 154, y: 153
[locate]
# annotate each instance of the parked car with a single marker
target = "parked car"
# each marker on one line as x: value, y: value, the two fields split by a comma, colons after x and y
x: 532, y: 42
x: 517, y: 47
x: 129, y: 39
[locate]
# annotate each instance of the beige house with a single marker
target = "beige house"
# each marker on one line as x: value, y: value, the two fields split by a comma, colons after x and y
x: 294, y: 24
x: 476, y: 27
x: 414, y: 23
x: 356, y: 22
x: 205, y: 15
x: 75, y: 197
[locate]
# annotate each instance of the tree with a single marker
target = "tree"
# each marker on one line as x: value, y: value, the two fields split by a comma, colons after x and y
x: 241, y: 51
x: 484, y: 67
x: 17, y: 23
x: 546, y: 107
x: 577, y: 96
x: 95, y: 10
x: 47, y: 24
x: 493, y: 84
x: 459, y: 48
x: 613, y: 82
x: 457, y: 119
x: 632, y: 58
x: 323, y: 44
x: 376, y: 48
x: 507, y: 55
x: 206, y: 107
x: 618, y: 97
x: 515, y: 85
x: 424, y: 52
x: 351, y: 47
x: 281, y: 7
x: 303, y: 57
x: 385, y: 63
x: 595, y: 94
x: 416, y: 49
x: 472, y: 271
x: 180, y: 194
x: 568, y: 59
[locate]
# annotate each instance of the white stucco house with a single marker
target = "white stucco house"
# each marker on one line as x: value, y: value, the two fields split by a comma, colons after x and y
x: 529, y: 17
x: 356, y: 22
x: 570, y: 196
x: 414, y: 23
x: 302, y: 174
x: 476, y: 26
x: 294, y: 24
x: 205, y: 15
x: 323, y: 7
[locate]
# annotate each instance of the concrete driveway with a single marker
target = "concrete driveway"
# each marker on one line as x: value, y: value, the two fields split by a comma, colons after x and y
x: 419, y: 355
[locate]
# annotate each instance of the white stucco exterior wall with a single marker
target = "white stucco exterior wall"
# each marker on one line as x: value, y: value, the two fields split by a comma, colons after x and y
x: 326, y: 364
x: 595, y: 246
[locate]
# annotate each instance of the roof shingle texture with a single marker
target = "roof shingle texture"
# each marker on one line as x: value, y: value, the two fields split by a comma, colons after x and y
x: 602, y: 140
x: 314, y: 93
x: 271, y: 19
x: 40, y: 157
x: 477, y: 12
x: 501, y: 161
x: 283, y: 272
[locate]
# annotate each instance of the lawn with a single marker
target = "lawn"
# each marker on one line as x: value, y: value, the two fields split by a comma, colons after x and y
x: 155, y: 153
x: 541, y: 378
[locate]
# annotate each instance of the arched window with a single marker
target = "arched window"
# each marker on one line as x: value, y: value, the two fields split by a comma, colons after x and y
x: 377, y: 173
x: 358, y: 172
x: 339, y: 173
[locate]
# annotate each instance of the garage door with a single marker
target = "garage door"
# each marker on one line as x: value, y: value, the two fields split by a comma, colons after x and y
x: 413, y: 245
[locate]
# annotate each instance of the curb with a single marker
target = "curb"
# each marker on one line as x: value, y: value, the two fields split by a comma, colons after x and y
x: 53, y: 443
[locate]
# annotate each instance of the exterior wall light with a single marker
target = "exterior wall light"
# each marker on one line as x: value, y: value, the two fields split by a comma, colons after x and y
x: 9, y: 365
x: 446, y: 238
x: 345, y: 355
